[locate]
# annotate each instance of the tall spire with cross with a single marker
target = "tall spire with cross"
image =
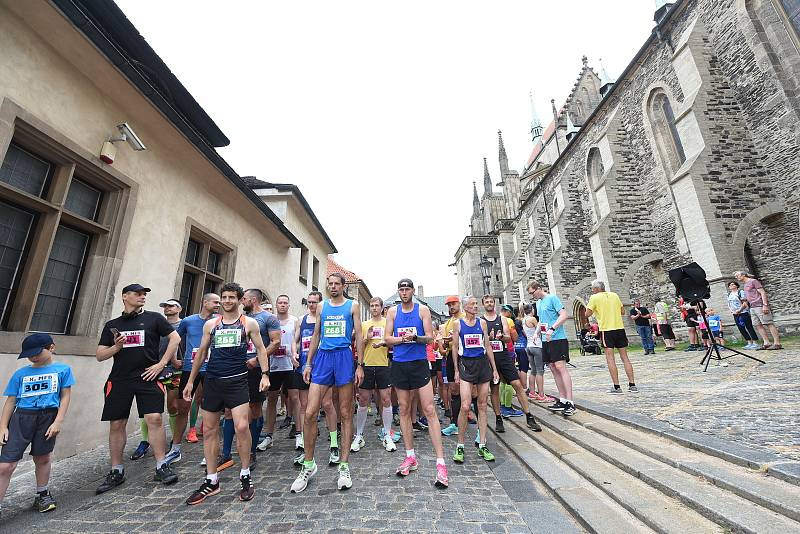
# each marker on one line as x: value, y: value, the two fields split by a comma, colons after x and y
x: 487, y: 180
x: 503, y: 156
x: 536, y: 124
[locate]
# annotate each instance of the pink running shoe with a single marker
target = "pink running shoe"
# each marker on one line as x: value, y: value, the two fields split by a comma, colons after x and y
x: 441, y: 476
x: 542, y: 398
x: 532, y: 395
x: 408, y: 465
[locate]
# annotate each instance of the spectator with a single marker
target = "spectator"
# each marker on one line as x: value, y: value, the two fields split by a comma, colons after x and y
x: 737, y: 303
x: 609, y: 310
x: 760, y: 312
x: 662, y: 323
x: 689, y: 314
x: 641, y: 317
x: 715, y: 325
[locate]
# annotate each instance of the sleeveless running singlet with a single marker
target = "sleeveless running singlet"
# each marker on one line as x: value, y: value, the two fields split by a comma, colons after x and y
x: 306, y: 332
x: 408, y: 323
x: 336, y: 330
x: 498, y: 345
x: 470, y: 340
x: 228, y: 349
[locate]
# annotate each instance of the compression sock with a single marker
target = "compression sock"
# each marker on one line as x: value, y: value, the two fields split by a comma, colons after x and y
x: 455, y: 409
x: 193, y: 415
x: 255, y: 433
x: 334, y: 439
x: 145, y: 430
x: 361, y: 420
x: 172, y: 419
x: 387, y: 420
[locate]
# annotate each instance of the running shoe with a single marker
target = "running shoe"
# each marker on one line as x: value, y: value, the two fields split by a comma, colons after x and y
x: 531, y: 422
x: 569, y: 410
x: 281, y: 412
x: 248, y: 491
x: 419, y: 427
x: 450, y: 430
x: 423, y: 421
x: 207, y: 489
x: 504, y: 412
x: 44, y: 502
x: 191, y: 437
x: 532, y: 396
x: 484, y: 453
x: 298, y: 443
x: 333, y: 459
x: 409, y: 464
x: 396, y: 419
x: 378, y: 421
x: 265, y: 444
x: 173, y: 457
x: 298, y: 460
x: 224, y: 463
x: 301, y: 482
x: 358, y: 443
x: 165, y: 475
x: 441, y: 476
x: 472, y: 421
x: 113, y: 479
x: 633, y: 389
x: 458, y: 457
x: 557, y: 406
x: 615, y: 390
x: 289, y: 420
x: 203, y: 462
x: 388, y: 444
x: 499, y: 427
x: 141, y: 450
x: 344, y: 482
x: 541, y: 397
x: 513, y: 412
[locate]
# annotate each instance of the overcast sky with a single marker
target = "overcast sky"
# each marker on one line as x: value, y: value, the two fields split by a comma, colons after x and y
x: 382, y: 111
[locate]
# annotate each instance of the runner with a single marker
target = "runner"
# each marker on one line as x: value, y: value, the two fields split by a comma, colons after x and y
x: 409, y: 330
x: 454, y: 309
x: 520, y: 346
x: 534, y: 350
x: 170, y: 377
x: 337, y: 322
x: 132, y: 341
x: 298, y: 389
x: 555, y: 346
x: 608, y: 309
x: 191, y: 330
x: 376, y: 377
x: 226, y: 386
x: 473, y: 361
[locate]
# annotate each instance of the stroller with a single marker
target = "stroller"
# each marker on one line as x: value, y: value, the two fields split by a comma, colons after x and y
x: 589, y: 343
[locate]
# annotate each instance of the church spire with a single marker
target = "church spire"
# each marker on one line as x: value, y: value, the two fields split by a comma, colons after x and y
x: 487, y: 181
x: 476, y: 204
x: 503, y: 156
x: 536, y: 124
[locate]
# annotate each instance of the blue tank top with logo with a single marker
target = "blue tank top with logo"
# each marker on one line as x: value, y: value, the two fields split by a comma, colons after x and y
x: 408, y: 323
x: 470, y: 339
x: 306, y: 332
x: 336, y: 330
x: 228, y: 349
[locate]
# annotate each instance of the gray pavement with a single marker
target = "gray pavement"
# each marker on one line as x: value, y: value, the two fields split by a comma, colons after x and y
x: 482, y: 497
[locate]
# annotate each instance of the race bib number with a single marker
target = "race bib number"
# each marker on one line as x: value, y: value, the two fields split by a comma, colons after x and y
x: 305, y: 343
x: 497, y: 345
x: 403, y: 330
x: 473, y: 340
x: 133, y: 338
x: 334, y: 328
x: 35, y: 385
x: 377, y: 332
x: 543, y: 328
x: 280, y: 351
x: 714, y: 324
x: 251, y: 349
x: 228, y: 337
x: 194, y: 353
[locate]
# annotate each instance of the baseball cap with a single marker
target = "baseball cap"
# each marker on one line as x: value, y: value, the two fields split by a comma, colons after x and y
x: 171, y: 302
x: 33, y: 345
x: 451, y: 299
x: 405, y: 282
x: 135, y: 287
x: 508, y: 307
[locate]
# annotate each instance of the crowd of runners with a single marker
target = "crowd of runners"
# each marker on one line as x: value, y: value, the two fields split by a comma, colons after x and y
x: 234, y: 363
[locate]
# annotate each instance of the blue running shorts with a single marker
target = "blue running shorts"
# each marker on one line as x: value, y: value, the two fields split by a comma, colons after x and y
x: 333, y: 367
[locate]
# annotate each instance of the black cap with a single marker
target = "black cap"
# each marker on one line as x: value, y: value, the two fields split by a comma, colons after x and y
x: 405, y: 282
x: 135, y: 287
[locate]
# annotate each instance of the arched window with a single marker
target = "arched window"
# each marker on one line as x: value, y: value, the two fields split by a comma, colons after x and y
x: 594, y: 166
x: 666, y: 134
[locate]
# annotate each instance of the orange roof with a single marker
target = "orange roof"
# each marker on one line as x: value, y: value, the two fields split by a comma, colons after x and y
x: 349, y: 276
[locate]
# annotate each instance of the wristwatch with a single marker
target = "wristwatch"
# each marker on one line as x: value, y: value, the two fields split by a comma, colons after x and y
x: 415, y: 338
x: 265, y: 373
x: 361, y: 364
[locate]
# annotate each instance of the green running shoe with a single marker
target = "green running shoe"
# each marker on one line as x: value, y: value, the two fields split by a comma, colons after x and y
x: 458, y: 457
x: 484, y: 453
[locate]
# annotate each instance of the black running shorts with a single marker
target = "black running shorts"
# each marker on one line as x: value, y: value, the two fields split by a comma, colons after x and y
x: 410, y: 375
x: 185, y: 380
x: 253, y: 382
x: 522, y: 360
x: 614, y: 339
x: 119, y: 395
x: 505, y: 367
x: 376, y: 377
x: 475, y: 370
x: 28, y: 427
x: 436, y: 367
x: 666, y: 331
x: 556, y: 350
x: 280, y: 380
x: 297, y: 381
x: 221, y: 393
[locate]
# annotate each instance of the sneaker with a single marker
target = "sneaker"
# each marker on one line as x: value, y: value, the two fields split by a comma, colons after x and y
x: 504, y: 412
x: 388, y: 444
x: 248, y: 491
x: 541, y: 397
x: 113, y: 479
x: 531, y: 422
x: 484, y: 453
x: 419, y: 427
x: 378, y: 422
x: 281, y: 412
x: 298, y: 443
x: 450, y: 430
x: 173, y: 457
x: 203, y: 462
x: 207, y: 489
x: 358, y: 443
x: 396, y: 419
x: 344, y: 482
x: 569, y: 410
x: 458, y: 457
x: 265, y: 444
x: 301, y: 482
x: 513, y: 412
x: 191, y: 436
x: 633, y: 389
x: 141, y: 450
x: 298, y: 460
x: 498, y: 426
x: 441, y: 476
x: 396, y: 434
x: 44, y: 502
x: 286, y: 423
x: 615, y: 390
x: 423, y: 421
x: 165, y: 475
x: 409, y: 464
x: 333, y: 459
x: 557, y: 406
x: 224, y: 463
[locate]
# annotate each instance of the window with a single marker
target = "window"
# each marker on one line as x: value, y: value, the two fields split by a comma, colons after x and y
x: 315, y: 275
x: 23, y: 170
x: 15, y: 228
x: 666, y: 134
x: 207, y: 262
x: 83, y: 199
x: 594, y: 166
x: 791, y: 8
x: 303, y: 265
x: 192, y: 252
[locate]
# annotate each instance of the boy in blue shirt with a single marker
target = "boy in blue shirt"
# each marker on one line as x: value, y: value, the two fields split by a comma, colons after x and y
x: 715, y: 325
x: 37, y: 400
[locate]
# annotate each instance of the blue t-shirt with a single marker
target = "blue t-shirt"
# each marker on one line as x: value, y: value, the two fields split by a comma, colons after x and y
x: 37, y: 388
x: 714, y: 323
x: 548, y: 308
x: 191, y: 329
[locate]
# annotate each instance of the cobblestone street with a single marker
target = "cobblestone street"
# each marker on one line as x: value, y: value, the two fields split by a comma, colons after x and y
x: 482, y: 497
x: 746, y: 402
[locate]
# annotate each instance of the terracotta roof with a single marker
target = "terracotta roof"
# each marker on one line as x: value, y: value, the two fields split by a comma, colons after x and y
x: 349, y: 276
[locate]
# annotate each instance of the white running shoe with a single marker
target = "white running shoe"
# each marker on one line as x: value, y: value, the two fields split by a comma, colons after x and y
x: 265, y: 444
x: 358, y: 443
x: 298, y: 443
x: 344, y: 482
x: 301, y: 481
x: 388, y: 444
x: 203, y: 462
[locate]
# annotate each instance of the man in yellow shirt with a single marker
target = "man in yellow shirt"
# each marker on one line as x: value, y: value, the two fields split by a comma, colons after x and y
x: 376, y: 377
x: 608, y: 308
x: 454, y: 308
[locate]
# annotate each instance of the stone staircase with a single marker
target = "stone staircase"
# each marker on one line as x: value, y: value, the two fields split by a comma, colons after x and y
x: 632, y: 474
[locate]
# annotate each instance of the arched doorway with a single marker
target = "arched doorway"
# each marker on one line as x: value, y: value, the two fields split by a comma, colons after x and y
x: 579, y: 316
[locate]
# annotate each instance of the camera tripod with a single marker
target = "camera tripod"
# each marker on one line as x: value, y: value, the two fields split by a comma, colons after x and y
x: 713, y: 350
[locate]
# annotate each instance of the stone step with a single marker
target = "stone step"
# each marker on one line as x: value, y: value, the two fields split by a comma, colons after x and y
x: 722, y: 506
x: 660, y: 512
x: 754, y: 485
x: 591, y: 507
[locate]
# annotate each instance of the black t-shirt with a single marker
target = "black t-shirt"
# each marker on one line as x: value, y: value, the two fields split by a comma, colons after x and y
x: 641, y: 321
x: 144, y: 333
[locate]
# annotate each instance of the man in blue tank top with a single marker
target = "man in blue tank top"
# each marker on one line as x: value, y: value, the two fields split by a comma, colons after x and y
x: 473, y: 361
x: 330, y: 365
x: 409, y: 330
x: 226, y: 386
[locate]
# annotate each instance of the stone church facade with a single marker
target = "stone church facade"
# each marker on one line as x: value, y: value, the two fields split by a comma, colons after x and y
x: 692, y: 154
